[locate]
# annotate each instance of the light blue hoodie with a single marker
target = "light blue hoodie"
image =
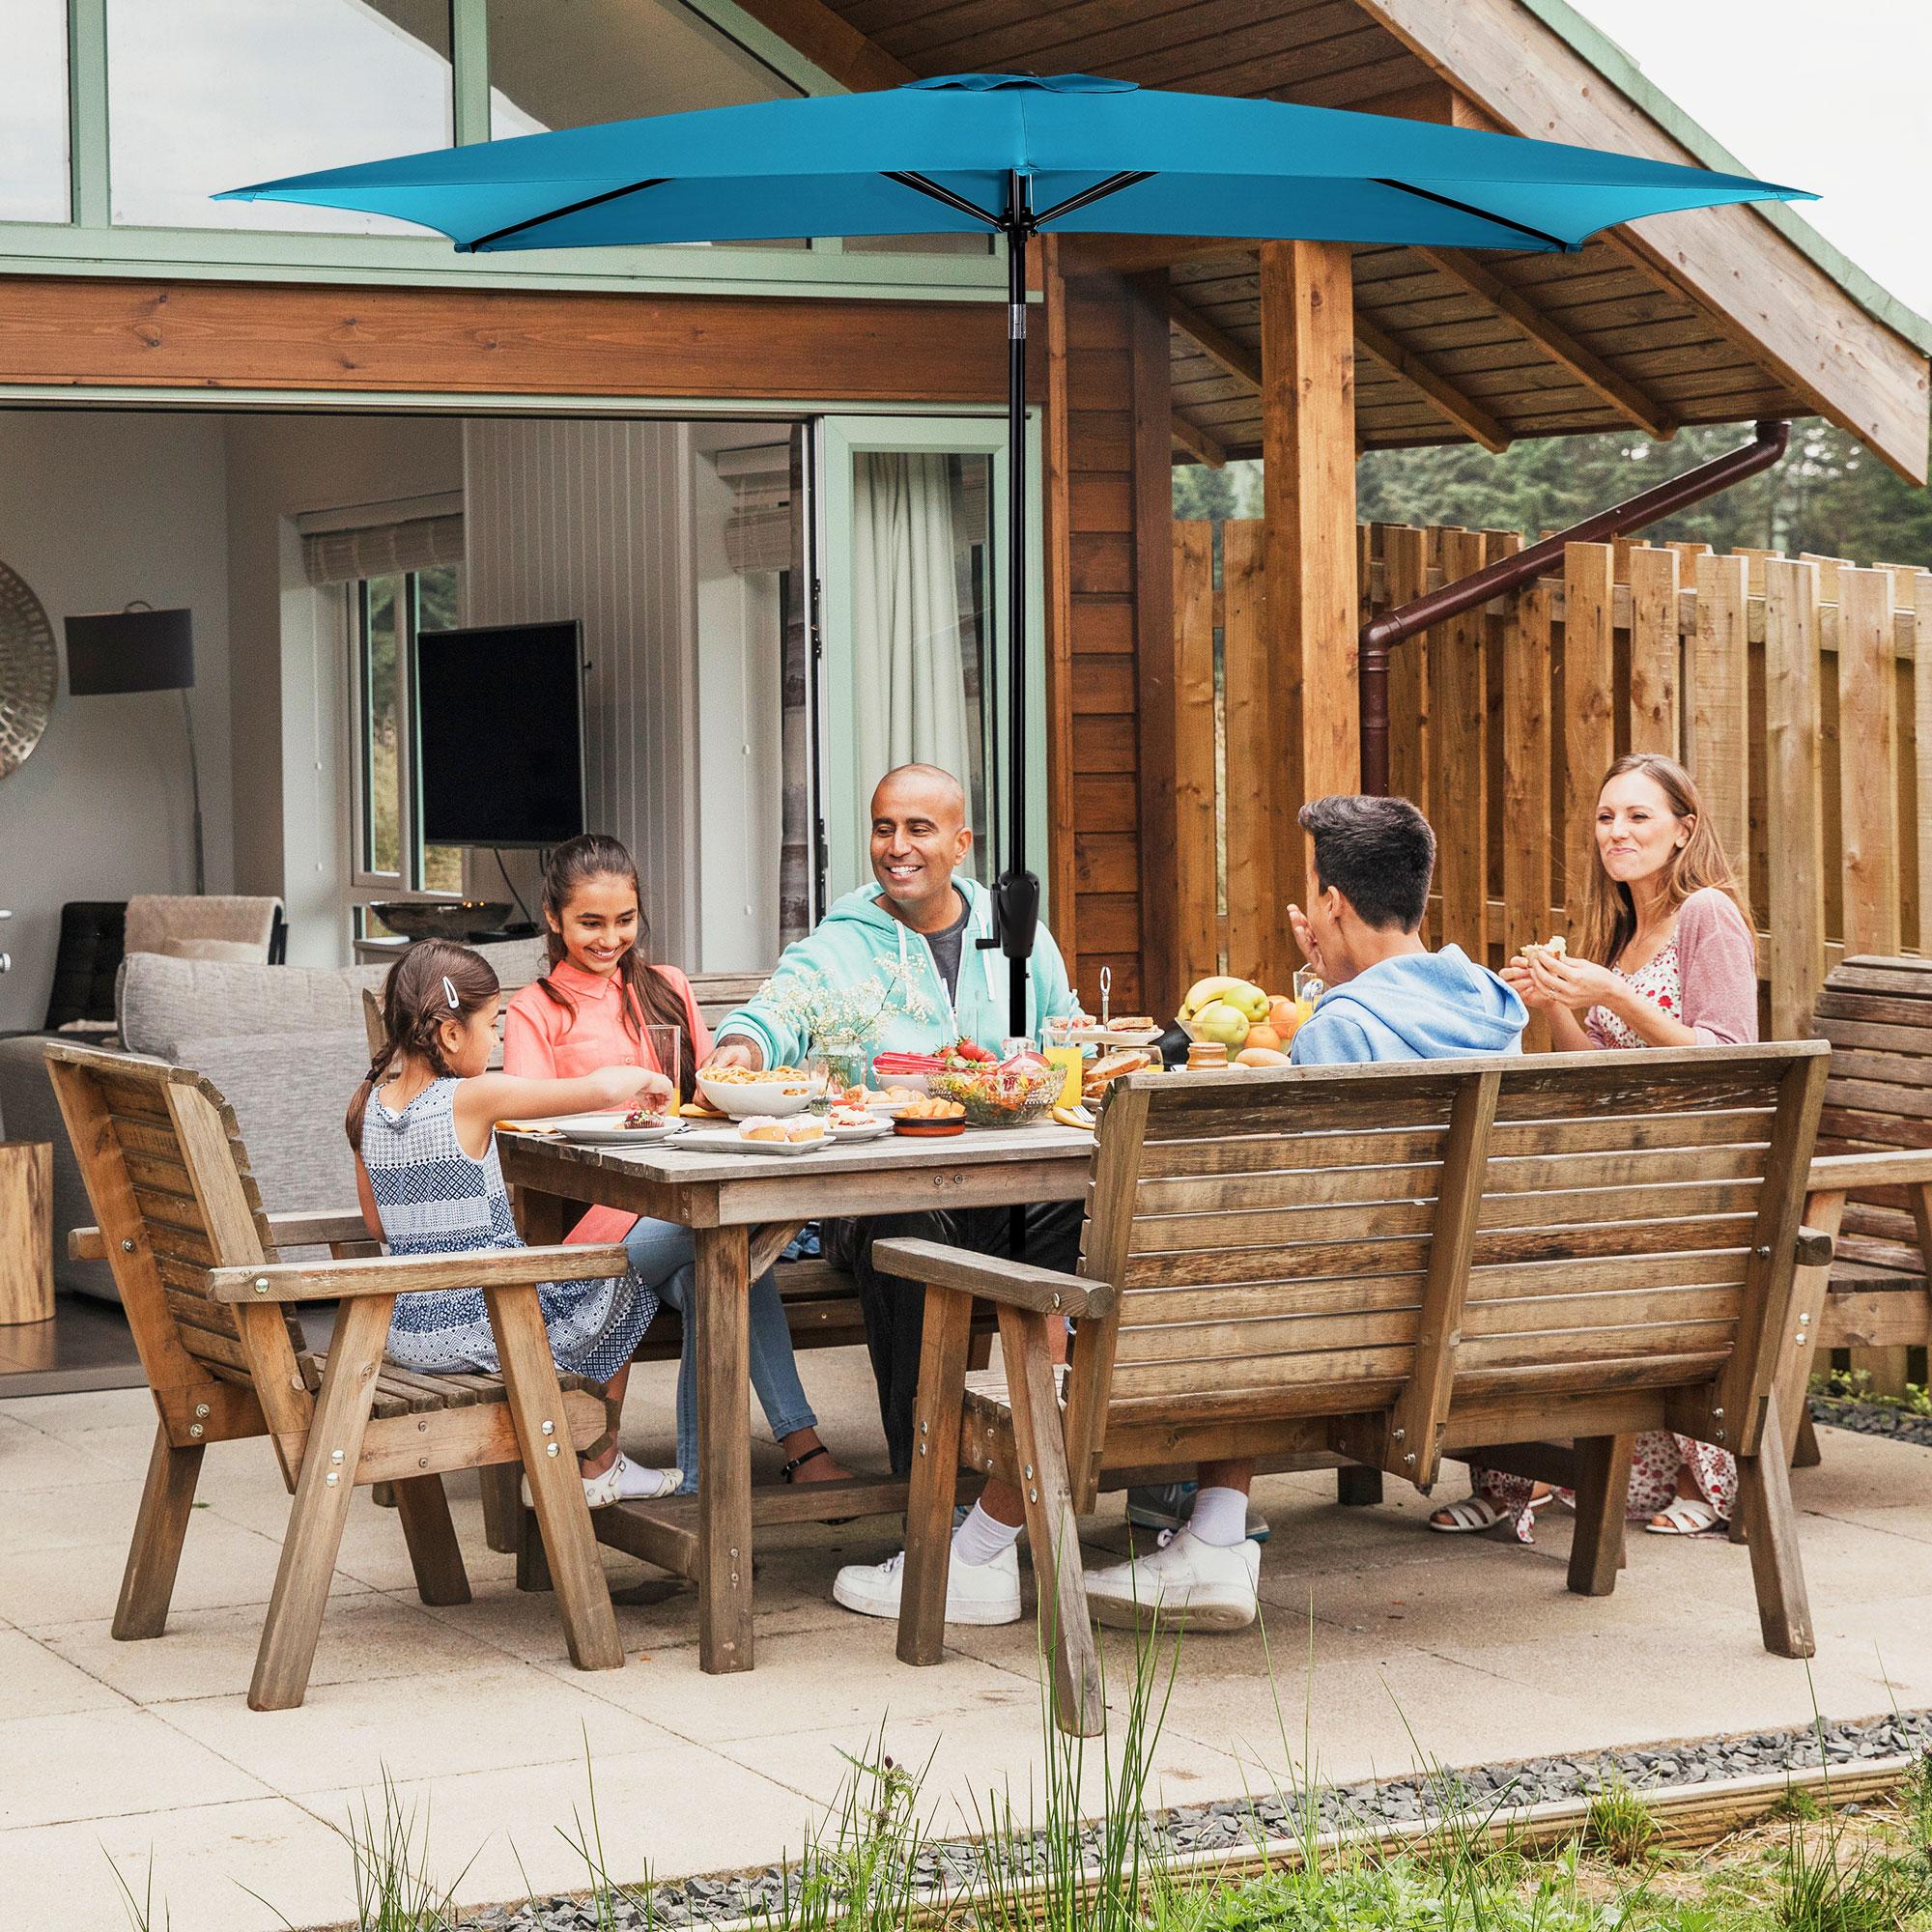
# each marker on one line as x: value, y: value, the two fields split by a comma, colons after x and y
x: 1418, y: 1005
x: 860, y: 935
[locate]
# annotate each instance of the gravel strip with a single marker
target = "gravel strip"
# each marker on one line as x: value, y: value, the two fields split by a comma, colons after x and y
x: 1237, y: 1824
x: 1873, y: 1418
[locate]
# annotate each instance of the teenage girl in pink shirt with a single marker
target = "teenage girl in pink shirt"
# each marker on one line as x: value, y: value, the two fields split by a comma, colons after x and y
x: 590, y: 1011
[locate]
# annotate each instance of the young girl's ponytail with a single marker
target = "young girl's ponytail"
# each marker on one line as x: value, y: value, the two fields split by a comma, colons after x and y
x: 649, y: 998
x: 435, y: 979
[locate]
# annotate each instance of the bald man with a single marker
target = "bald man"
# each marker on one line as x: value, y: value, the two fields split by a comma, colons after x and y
x: 924, y: 913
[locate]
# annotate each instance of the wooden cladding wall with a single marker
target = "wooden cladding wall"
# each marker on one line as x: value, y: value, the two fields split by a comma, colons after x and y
x: 1109, y: 480
x: 1761, y: 672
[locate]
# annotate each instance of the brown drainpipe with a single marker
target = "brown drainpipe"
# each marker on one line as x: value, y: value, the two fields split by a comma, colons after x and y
x: 1380, y: 635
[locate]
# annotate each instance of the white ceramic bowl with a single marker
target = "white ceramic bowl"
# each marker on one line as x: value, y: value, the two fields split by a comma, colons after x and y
x: 743, y: 1098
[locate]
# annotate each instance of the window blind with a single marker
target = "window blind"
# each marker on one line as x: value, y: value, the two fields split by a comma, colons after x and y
x: 383, y: 550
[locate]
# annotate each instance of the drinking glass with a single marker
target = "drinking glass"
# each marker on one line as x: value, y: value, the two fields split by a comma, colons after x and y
x: 664, y: 1048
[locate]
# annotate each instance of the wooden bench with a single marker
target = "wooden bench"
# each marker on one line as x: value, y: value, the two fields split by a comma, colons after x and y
x: 1396, y: 1263
x: 1871, y: 1180
x: 211, y: 1307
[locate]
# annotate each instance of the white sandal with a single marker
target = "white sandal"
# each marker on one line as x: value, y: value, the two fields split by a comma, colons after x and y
x: 623, y: 1482
x: 1687, y: 1515
x: 1475, y: 1513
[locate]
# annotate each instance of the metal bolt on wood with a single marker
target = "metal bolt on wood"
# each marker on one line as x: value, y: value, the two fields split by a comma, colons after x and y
x: 550, y: 1448
x: 195, y: 1429
x: 261, y: 1283
x: 126, y: 1247
x: 550, y: 1428
x: 331, y: 1479
x: 201, y: 1408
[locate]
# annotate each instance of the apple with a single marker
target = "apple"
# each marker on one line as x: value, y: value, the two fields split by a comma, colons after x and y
x: 1218, y: 1020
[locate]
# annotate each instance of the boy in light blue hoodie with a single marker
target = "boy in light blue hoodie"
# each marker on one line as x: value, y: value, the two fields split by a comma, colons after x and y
x: 1389, y: 997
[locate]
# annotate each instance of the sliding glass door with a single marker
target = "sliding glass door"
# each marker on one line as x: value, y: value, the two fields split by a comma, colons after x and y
x: 912, y: 622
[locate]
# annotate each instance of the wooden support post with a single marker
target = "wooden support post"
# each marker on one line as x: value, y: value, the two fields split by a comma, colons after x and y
x: 1405, y: 576
x: 1793, y: 797
x: 937, y: 1406
x: 1589, y: 738
x: 1657, y: 653
x: 1258, y: 889
x: 1527, y: 890
x: 724, y: 1452
x: 1191, y: 817
x: 1308, y: 442
x: 1720, y: 720
x: 1458, y: 728
x: 1868, y: 730
x: 1603, y: 1487
x: 148, y: 1583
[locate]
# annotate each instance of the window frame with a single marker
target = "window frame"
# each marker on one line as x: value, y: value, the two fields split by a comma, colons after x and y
x: 365, y: 884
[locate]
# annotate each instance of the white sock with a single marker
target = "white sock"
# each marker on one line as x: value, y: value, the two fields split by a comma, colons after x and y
x: 982, y: 1537
x: 1220, y: 1516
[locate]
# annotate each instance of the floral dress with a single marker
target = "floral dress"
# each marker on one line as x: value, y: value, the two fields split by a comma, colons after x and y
x: 1657, y: 1455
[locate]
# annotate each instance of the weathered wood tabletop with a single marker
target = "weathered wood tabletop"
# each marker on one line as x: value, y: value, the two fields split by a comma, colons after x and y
x: 743, y: 1210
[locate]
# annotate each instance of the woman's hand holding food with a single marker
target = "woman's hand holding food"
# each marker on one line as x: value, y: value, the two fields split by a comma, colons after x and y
x: 1547, y: 976
x: 620, y: 1086
x: 736, y: 1051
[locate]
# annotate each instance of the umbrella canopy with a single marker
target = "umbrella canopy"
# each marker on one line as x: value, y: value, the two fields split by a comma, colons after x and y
x: 866, y: 163
x: 1016, y: 154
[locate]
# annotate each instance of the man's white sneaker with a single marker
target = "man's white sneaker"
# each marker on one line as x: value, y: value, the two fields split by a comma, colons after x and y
x: 1201, y: 1583
x: 976, y: 1593
x: 623, y: 1482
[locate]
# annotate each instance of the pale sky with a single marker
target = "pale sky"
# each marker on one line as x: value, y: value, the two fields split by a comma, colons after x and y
x: 1829, y: 98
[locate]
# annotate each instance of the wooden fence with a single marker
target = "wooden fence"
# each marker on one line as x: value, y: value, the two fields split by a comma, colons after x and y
x: 1790, y: 687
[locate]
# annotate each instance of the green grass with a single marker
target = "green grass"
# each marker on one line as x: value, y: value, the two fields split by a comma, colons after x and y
x: 1621, y: 1828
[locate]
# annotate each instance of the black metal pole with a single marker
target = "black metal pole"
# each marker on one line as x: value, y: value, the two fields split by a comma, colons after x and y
x: 1019, y: 944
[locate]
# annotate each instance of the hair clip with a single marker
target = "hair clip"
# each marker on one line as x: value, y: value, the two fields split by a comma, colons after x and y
x: 449, y: 994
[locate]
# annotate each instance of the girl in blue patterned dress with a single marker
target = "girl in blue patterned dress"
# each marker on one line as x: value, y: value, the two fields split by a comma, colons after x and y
x: 422, y: 1126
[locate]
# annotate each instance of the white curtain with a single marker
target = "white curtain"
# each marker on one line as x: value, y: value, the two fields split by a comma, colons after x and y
x: 909, y: 679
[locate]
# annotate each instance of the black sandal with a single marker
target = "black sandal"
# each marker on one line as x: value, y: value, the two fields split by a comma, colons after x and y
x: 789, y: 1472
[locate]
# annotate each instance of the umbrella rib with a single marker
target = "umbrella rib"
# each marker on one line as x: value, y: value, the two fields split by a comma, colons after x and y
x: 557, y: 214
x: 1113, y: 185
x: 1483, y: 213
x: 922, y: 186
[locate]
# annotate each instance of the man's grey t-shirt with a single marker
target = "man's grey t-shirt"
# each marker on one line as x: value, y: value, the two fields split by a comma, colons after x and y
x: 948, y: 946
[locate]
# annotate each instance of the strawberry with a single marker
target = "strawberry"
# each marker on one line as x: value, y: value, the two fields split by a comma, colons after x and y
x: 971, y: 1049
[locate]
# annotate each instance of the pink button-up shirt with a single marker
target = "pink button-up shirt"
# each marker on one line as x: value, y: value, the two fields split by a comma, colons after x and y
x: 543, y: 1040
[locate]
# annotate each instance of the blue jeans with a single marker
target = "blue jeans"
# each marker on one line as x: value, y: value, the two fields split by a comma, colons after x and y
x: 662, y: 1252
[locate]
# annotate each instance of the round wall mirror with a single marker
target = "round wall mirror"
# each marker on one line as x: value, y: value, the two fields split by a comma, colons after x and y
x: 29, y: 670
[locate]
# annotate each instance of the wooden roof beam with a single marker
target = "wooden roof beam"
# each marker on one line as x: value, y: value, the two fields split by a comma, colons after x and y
x: 1555, y: 341
x: 1245, y: 364
x: 1131, y: 254
x: 1201, y: 444
x: 828, y: 42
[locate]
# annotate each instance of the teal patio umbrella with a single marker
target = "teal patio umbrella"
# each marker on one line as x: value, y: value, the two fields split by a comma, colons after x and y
x: 1016, y: 154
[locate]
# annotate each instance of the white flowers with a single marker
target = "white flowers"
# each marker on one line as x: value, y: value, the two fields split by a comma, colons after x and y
x: 808, y: 1003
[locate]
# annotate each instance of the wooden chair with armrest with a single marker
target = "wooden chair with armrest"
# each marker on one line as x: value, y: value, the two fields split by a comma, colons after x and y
x: 1393, y: 1262
x: 211, y: 1308
x: 1870, y: 1184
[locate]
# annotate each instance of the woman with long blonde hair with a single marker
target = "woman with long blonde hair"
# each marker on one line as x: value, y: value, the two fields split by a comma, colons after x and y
x: 1666, y: 957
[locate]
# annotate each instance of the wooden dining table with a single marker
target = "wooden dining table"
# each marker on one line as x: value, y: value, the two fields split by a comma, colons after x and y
x: 743, y: 1210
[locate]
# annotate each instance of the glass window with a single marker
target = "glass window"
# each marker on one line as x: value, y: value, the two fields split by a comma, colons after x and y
x: 205, y: 95
x: 34, y: 181
x: 570, y: 63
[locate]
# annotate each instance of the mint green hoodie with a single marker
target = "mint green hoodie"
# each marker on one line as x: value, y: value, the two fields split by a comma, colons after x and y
x: 859, y: 935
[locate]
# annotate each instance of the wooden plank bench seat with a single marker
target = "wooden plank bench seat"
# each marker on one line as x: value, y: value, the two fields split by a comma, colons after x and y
x: 1870, y: 1182
x: 1393, y: 1263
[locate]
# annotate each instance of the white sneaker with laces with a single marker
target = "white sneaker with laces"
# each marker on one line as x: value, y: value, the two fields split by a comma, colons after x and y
x: 976, y: 1593
x: 623, y: 1482
x: 1208, y: 1587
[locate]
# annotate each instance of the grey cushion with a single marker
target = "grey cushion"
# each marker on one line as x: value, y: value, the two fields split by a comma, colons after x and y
x: 166, y: 1001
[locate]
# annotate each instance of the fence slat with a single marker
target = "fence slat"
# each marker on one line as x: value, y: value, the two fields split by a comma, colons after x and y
x: 1589, y: 736
x: 1913, y: 591
x: 1720, y: 703
x: 1868, y: 730
x: 1196, y: 881
x: 1457, y: 722
x: 1793, y: 778
x: 1406, y: 565
x: 1657, y: 653
x: 1525, y: 768
x: 1254, y: 894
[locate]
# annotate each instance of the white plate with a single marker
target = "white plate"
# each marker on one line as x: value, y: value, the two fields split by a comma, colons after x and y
x: 741, y: 1099
x: 913, y: 1082
x: 871, y: 1132
x: 717, y: 1140
x: 602, y: 1130
x: 1106, y: 1037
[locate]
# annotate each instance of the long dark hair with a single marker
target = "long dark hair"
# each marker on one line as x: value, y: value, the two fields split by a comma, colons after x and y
x: 649, y: 999
x: 1610, y: 912
x: 433, y: 980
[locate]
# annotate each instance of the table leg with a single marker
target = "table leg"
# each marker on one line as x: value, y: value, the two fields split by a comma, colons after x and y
x: 724, y: 1338
x: 508, y: 1528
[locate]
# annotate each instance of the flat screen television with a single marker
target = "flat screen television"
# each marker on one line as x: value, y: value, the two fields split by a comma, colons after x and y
x: 500, y: 734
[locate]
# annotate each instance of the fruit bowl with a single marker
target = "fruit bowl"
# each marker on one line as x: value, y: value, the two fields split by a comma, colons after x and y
x: 996, y: 1098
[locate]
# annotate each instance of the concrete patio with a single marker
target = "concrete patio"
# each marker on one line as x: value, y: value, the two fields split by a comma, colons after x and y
x: 1464, y: 1650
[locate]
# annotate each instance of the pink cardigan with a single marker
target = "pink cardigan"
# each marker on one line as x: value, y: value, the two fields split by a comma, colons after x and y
x: 1717, y: 960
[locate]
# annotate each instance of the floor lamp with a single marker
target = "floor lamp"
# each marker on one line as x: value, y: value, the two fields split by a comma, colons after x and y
x: 139, y: 649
